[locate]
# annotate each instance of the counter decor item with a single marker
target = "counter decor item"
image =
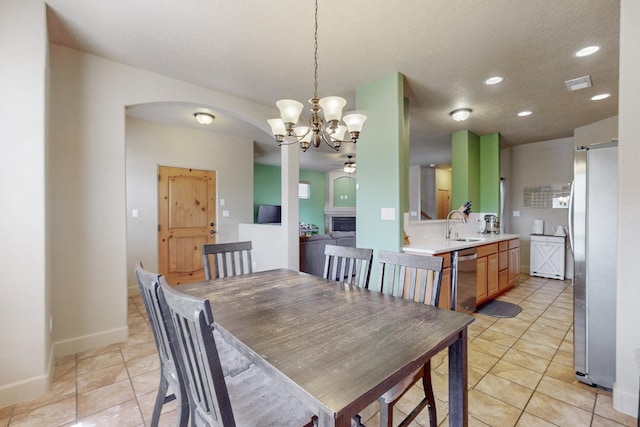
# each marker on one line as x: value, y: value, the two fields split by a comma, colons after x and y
x: 538, y: 226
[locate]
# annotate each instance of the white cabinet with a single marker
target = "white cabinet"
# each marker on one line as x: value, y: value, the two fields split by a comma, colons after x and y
x: 547, y: 256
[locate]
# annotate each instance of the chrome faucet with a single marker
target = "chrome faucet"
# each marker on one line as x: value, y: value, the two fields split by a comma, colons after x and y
x: 447, y: 234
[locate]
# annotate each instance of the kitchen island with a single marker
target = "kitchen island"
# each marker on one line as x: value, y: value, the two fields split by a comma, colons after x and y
x: 498, y: 263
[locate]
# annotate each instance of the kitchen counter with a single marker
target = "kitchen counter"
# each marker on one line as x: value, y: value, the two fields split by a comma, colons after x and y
x: 439, y: 245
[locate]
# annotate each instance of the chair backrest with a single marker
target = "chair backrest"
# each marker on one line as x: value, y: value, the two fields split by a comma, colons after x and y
x: 410, y: 276
x: 230, y: 259
x: 198, y: 356
x: 148, y: 284
x: 347, y: 264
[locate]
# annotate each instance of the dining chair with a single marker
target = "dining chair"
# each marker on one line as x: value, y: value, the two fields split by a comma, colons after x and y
x: 170, y: 375
x: 248, y: 399
x: 416, y: 278
x: 229, y: 259
x: 351, y: 265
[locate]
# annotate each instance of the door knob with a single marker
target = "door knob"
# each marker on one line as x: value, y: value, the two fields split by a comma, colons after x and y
x: 212, y: 232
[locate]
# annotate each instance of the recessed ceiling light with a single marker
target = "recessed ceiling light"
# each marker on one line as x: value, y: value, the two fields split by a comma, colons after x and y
x: 589, y: 50
x: 493, y: 80
x: 600, y: 96
x: 525, y: 113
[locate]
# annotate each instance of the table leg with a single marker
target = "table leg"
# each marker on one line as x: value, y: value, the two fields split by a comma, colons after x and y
x: 458, y: 399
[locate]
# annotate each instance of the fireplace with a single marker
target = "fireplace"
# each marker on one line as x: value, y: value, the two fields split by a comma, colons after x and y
x: 343, y: 223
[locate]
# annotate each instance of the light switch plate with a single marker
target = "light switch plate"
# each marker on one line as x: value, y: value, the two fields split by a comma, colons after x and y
x: 388, y: 214
x: 225, y: 213
x: 516, y: 213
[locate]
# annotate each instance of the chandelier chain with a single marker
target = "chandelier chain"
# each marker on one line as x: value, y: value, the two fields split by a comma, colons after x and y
x: 315, y: 56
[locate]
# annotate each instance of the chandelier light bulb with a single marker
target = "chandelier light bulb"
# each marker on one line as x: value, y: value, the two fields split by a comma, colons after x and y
x: 277, y: 126
x: 354, y: 121
x: 290, y: 110
x: 332, y: 107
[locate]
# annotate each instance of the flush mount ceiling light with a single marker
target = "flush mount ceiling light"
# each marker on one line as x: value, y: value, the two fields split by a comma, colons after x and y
x: 493, y: 80
x: 324, y: 123
x: 461, y: 114
x: 349, y: 166
x: 578, y: 83
x: 600, y: 96
x: 589, y: 50
x: 204, y: 118
x: 525, y: 113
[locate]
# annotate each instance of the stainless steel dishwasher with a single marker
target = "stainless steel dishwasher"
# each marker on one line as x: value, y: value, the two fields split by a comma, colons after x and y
x: 463, y: 280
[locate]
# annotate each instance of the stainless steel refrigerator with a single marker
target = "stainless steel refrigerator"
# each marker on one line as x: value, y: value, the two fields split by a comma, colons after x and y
x: 593, y: 228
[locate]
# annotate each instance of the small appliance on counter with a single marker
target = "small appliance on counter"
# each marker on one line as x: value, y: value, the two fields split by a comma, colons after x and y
x: 491, y: 224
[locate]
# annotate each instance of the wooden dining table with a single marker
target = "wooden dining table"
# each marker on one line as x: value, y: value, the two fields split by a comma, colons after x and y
x: 335, y: 347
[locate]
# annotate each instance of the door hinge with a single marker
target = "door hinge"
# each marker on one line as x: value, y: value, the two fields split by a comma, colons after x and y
x: 159, y: 177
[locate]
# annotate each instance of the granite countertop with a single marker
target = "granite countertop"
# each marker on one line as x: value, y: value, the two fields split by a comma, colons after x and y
x: 438, y: 245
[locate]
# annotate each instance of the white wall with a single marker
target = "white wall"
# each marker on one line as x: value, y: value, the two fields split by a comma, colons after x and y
x: 149, y: 145
x: 538, y: 163
x: 25, y: 357
x: 625, y: 390
x: 87, y: 187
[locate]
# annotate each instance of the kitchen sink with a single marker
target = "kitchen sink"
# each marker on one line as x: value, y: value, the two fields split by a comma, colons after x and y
x: 469, y: 239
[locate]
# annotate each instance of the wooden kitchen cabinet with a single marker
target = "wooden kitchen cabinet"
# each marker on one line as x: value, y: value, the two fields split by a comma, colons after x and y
x: 487, y: 272
x: 514, y: 261
x: 481, y: 280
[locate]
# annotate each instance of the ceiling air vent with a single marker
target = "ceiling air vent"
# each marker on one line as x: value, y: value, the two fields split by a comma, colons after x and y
x: 579, y: 83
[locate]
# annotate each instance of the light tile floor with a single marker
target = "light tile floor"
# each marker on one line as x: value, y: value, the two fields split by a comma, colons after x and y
x: 520, y: 374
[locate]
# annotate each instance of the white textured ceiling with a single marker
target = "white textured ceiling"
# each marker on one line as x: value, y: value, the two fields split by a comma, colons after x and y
x: 263, y: 51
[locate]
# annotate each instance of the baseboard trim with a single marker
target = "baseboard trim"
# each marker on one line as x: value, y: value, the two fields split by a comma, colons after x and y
x: 625, y: 401
x: 90, y: 342
x: 28, y: 389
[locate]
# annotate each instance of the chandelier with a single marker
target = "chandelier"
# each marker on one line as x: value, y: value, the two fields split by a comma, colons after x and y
x: 324, y: 123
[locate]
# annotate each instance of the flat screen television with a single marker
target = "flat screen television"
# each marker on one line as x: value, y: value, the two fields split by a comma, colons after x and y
x: 269, y: 214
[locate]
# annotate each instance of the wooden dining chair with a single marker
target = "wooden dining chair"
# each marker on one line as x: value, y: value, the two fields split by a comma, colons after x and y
x: 250, y: 398
x: 229, y: 259
x: 416, y: 278
x: 170, y: 374
x: 347, y: 264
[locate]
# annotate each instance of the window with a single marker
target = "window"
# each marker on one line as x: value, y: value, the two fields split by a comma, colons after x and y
x: 304, y: 190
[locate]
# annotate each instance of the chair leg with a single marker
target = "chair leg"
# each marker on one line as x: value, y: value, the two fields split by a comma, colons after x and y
x: 160, y: 398
x: 428, y: 391
x: 183, y: 409
x: 386, y: 413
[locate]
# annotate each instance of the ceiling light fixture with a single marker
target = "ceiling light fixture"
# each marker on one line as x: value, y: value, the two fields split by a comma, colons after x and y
x: 589, y: 50
x: 578, y: 83
x: 525, y: 113
x: 493, y: 80
x: 461, y: 114
x: 322, y: 127
x: 349, y: 166
x: 204, y: 118
x: 600, y: 96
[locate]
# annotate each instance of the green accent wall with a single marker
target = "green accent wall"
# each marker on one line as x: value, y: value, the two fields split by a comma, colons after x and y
x: 465, y: 166
x: 382, y: 167
x: 475, y: 176
x: 267, y: 191
x: 344, y: 192
x: 490, y: 173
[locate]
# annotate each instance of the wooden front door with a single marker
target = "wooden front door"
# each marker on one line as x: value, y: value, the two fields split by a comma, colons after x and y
x: 186, y: 216
x: 443, y: 204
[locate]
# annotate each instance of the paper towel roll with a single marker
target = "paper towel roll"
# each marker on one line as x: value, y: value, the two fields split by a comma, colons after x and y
x: 538, y: 226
